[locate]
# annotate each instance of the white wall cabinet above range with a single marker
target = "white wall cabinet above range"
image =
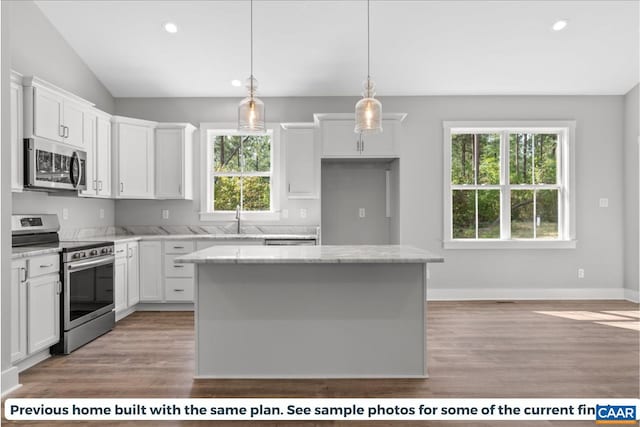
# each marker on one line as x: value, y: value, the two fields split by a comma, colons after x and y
x: 98, y: 146
x: 340, y: 141
x: 133, y: 155
x: 302, y: 159
x: 17, y: 145
x: 174, y: 161
x: 53, y: 113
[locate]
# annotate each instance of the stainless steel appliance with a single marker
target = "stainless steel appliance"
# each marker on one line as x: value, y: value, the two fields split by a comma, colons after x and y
x: 86, y: 270
x: 52, y: 166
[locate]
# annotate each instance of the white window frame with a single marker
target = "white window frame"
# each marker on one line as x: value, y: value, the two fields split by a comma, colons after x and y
x: 566, y: 182
x: 206, y: 214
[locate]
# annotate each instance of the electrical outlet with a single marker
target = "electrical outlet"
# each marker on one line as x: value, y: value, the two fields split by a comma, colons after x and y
x: 581, y: 273
x: 285, y: 213
x: 165, y: 213
x: 361, y: 213
x: 101, y: 213
x: 604, y: 203
x: 65, y: 213
x: 303, y: 213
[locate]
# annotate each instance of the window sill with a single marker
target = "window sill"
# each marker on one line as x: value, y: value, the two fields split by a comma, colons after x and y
x: 509, y: 244
x: 244, y: 216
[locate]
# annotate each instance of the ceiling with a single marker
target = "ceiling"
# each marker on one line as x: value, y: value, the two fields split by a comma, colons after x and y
x: 318, y: 48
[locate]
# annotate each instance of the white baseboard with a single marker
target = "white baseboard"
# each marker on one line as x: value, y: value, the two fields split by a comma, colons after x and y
x: 470, y: 294
x: 631, y: 295
x: 10, y: 380
x: 150, y: 306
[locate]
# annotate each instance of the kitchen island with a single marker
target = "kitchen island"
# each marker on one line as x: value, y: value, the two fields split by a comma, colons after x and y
x: 310, y: 311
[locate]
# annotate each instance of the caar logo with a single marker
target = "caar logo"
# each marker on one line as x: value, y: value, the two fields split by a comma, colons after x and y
x: 610, y: 414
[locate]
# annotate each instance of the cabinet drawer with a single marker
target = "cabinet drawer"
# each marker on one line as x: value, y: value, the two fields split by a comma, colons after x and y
x: 120, y: 250
x: 172, y: 269
x: 178, y: 247
x: 179, y: 289
x: 41, y: 265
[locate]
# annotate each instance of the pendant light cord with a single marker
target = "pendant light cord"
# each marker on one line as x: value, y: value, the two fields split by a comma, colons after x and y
x: 368, y: 44
x: 251, y: 76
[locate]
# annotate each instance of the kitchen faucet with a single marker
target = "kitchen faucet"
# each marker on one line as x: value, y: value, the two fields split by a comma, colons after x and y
x: 238, y: 218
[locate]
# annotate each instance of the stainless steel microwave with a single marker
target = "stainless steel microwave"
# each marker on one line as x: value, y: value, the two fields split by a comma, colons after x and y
x: 52, y: 166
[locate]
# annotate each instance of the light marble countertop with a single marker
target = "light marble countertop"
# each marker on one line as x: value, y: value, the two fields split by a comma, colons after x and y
x: 362, y: 254
x: 124, y: 238
x: 29, y: 251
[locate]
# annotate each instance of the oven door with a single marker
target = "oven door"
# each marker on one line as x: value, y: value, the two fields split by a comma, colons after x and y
x: 54, y: 166
x: 88, y: 290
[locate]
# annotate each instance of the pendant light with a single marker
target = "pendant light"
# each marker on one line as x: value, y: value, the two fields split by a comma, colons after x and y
x: 251, y: 109
x: 368, y: 109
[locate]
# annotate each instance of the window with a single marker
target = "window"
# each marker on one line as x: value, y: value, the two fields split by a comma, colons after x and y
x: 239, y: 171
x: 508, y: 184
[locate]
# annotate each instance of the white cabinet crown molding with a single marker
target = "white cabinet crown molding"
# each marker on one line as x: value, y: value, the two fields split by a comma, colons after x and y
x: 186, y: 126
x: 133, y: 121
x: 16, y: 77
x: 38, y: 82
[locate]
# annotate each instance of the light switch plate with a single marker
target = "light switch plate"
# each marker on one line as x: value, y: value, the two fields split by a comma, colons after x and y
x: 165, y: 213
x: 65, y: 213
x: 604, y: 203
x: 303, y: 213
x: 361, y: 212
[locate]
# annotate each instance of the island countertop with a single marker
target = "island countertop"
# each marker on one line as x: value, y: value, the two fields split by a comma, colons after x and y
x: 323, y: 254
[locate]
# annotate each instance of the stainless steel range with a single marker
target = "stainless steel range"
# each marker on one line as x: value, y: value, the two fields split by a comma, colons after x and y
x: 86, y: 270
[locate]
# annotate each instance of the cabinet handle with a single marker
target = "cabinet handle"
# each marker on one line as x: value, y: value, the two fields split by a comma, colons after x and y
x: 178, y: 290
x: 95, y: 184
x: 361, y: 144
x: 46, y: 265
x: 24, y: 271
x: 120, y: 251
x: 66, y: 131
x: 122, y: 187
x: 180, y: 189
x: 59, y: 289
x: 130, y: 251
x: 100, y: 185
x: 178, y: 247
x: 289, y: 190
x: 178, y: 266
x: 61, y: 131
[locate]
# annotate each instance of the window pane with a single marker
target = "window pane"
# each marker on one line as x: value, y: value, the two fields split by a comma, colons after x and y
x: 226, y: 154
x: 256, y: 191
x: 256, y: 152
x: 488, y: 158
x: 489, y: 214
x: 545, y: 152
x: 226, y: 193
x: 521, y: 158
x: 522, y: 214
x: 464, y: 214
x: 547, y: 214
x: 462, y: 159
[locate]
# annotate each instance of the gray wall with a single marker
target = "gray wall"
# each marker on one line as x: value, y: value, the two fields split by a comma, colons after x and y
x: 631, y: 178
x: 5, y: 195
x: 38, y: 49
x: 599, y: 173
x: 347, y: 187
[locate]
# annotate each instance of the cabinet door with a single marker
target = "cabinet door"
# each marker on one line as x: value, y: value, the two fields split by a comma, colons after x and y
x: 17, y: 145
x: 135, y: 161
x: 89, y: 138
x: 43, y: 310
x: 120, y: 283
x: 151, y: 271
x: 103, y: 156
x: 339, y: 139
x: 18, y: 325
x: 301, y: 163
x: 169, y: 148
x: 73, y: 120
x: 380, y: 144
x: 133, y: 275
x: 47, y: 114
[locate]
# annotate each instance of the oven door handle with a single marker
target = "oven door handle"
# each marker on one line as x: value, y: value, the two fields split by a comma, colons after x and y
x: 96, y: 263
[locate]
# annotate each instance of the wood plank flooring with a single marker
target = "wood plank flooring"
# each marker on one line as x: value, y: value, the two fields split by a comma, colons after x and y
x: 476, y: 349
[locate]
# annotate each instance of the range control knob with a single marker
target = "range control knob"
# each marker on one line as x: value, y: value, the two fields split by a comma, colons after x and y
x: 76, y: 255
x: 104, y: 251
x: 93, y: 252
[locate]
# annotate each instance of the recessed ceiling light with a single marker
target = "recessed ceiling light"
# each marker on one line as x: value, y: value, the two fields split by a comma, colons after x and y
x: 236, y: 83
x: 170, y: 27
x: 559, y: 25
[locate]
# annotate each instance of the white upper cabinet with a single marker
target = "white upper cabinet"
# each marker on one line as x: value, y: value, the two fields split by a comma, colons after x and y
x: 340, y: 141
x: 17, y: 145
x: 53, y: 113
x: 302, y: 160
x: 97, y: 138
x: 133, y: 153
x: 174, y: 161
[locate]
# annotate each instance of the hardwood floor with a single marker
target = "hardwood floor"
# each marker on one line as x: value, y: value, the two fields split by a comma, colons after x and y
x: 476, y: 349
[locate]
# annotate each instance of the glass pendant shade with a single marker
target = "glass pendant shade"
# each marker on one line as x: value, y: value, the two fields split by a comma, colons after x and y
x: 251, y: 110
x: 368, y: 111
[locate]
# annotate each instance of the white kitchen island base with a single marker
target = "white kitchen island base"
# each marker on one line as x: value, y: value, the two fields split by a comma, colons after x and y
x: 310, y: 320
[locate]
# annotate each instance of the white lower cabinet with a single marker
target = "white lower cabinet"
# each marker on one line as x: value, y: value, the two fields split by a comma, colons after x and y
x: 35, y: 302
x: 126, y: 278
x: 179, y: 279
x: 151, y: 271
